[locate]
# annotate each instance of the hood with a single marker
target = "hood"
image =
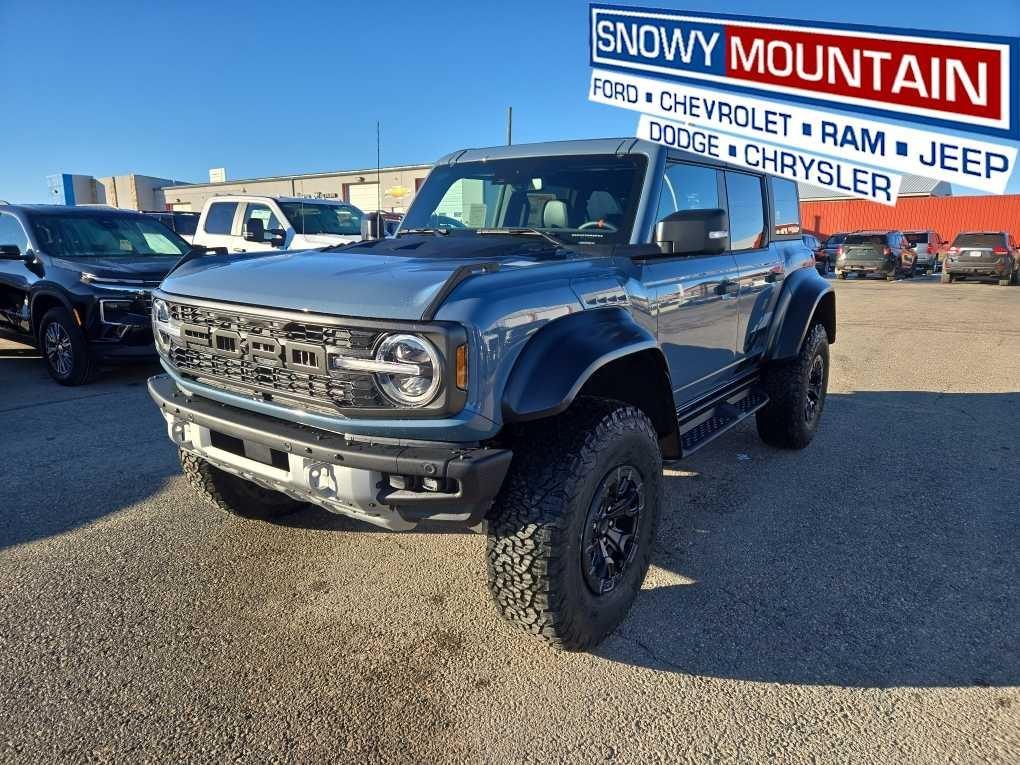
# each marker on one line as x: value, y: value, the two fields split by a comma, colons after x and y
x: 148, y: 268
x: 387, y: 278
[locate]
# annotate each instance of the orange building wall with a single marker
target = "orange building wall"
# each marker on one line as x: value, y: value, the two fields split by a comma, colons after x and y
x: 947, y: 215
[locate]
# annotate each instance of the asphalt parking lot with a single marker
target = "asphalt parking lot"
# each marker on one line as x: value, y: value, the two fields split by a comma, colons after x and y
x: 854, y: 602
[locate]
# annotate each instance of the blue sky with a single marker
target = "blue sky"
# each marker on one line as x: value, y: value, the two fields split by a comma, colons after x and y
x: 263, y: 88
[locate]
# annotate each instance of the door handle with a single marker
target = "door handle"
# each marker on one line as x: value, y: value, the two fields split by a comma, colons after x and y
x: 239, y: 249
x: 727, y: 289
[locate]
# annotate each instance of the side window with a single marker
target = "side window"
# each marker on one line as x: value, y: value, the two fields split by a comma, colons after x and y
x: 785, y: 206
x: 220, y: 218
x: 688, y: 187
x: 747, y: 213
x: 263, y: 213
x: 11, y: 232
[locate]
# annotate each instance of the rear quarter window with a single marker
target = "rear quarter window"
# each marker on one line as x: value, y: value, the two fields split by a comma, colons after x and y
x: 785, y: 207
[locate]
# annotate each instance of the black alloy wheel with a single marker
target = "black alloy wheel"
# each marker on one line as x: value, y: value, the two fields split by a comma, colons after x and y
x: 815, y: 389
x: 610, y: 539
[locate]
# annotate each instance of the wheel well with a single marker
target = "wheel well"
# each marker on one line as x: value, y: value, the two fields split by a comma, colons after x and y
x: 825, y: 312
x: 40, y: 306
x: 640, y: 379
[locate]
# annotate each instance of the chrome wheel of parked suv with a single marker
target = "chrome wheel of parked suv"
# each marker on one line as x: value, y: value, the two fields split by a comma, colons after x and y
x: 64, y: 349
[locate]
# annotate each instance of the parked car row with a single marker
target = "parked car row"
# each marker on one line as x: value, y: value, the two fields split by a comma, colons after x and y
x: 75, y: 281
x: 895, y: 254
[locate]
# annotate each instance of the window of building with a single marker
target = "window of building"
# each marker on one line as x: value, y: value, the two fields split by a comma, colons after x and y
x: 220, y: 219
x: 747, y: 212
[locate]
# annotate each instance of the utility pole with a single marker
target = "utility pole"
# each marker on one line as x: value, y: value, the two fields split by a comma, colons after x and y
x: 509, y: 126
x: 378, y: 166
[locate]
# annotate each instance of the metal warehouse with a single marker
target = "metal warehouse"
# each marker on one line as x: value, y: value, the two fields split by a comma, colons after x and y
x: 389, y: 188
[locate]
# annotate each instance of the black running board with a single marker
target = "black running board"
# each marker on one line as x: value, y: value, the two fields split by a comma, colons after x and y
x: 708, y: 423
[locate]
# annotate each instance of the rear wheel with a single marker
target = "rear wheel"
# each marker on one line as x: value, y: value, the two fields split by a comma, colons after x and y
x: 64, y: 349
x: 797, y: 390
x: 571, y: 532
x: 235, y: 495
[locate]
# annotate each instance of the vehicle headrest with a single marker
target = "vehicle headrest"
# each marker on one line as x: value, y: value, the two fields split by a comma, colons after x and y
x: 554, y: 214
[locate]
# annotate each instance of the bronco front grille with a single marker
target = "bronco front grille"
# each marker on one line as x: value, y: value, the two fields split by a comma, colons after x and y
x: 279, y: 358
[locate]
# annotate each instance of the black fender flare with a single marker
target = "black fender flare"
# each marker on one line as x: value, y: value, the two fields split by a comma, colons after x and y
x: 563, y: 355
x: 805, y: 295
x: 45, y: 292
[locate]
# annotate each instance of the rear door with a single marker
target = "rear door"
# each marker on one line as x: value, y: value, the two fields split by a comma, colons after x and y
x: 695, y: 296
x: 865, y: 250
x: 217, y: 228
x: 980, y: 248
x: 15, y: 277
x: 759, y: 264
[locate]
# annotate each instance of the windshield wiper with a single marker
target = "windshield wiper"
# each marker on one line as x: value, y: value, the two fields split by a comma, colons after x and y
x: 522, y: 230
x: 425, y: 230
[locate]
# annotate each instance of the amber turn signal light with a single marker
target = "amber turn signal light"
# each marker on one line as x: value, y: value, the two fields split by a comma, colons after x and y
x: 462, y: 368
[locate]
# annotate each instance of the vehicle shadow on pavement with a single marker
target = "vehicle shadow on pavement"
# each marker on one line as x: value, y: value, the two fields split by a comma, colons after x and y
x: 72, y: 455
x: 885, y: 554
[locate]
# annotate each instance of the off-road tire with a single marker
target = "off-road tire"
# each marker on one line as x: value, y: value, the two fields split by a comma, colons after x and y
x: 536, y: 563
x: 235, y: 495
x: 82, y: 366
x: 783, y: 421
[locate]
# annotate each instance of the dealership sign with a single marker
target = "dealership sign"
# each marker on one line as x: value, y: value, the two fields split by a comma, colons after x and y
x: 966, y: 82
x: 750, y: 91
x: 969, y: 162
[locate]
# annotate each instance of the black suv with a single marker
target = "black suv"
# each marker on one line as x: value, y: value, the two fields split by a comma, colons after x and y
x: 887, y: 253
x: 983, y: 254
x: 75, y: 281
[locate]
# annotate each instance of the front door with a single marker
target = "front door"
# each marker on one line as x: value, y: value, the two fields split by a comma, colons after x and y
x: 269, y: 223
x: 695, y: 296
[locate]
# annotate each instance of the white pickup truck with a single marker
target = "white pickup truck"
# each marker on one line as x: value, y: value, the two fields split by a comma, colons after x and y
x: 245, y: 223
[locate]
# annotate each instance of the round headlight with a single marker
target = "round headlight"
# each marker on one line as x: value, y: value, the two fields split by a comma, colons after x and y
x: 418, y: 383
x: 160, y: 312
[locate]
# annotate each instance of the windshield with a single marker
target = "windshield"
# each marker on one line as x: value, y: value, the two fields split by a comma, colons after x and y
x: 916, y: 237
x: 980, y: 240
x: 579, y: 199
x: 104, y: 235
x: 835, y: 240
x: 315, y: 218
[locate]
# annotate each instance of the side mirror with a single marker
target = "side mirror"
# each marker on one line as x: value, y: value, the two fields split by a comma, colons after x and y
x: 10, y: 252
x: 694, y: 232
x: 254, y: 230
x: 276, y: 236
x: 372, y: 226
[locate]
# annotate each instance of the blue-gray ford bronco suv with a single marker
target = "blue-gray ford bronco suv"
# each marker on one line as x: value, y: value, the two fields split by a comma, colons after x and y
x: 551, y: 322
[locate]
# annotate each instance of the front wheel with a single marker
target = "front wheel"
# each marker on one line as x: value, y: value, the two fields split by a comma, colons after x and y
x: 797, y: 390
x: 64, y: 349
x: 571, y: 532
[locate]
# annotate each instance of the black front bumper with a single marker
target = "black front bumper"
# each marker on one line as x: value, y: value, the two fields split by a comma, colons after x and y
x: 476, y: 472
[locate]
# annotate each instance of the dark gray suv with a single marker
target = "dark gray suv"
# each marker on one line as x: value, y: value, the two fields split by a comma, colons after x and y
x: 599, y: 306
x: 886, y: 253
x: 983, y: 254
